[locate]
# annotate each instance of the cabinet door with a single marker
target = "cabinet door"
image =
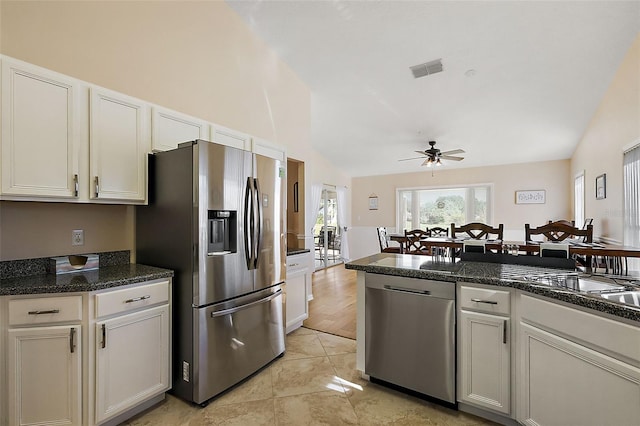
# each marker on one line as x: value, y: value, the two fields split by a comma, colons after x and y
x: 268, y: 149
x: 484, y: 352
x: 169, y: 128
x: 568, y: 384
x: 44, y: 366
x: 231, y: 138
x: 119, y: 141
x: 40, y: 133
x: 296, y: 302
x: 132, y: 360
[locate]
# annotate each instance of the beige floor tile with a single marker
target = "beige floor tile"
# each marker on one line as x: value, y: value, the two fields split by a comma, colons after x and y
x: 334, y: 345
x: 257, y: 388
x: 378, y: 405
x: 302, y: 376
x: 254, y: 413
x: 171, y: 412
x: 303, y: 346
x: 323, y: 408
x: 345, y: 366
x: 302, y: 330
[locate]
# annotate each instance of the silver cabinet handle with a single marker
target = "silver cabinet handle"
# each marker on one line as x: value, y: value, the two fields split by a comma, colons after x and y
x: 97, y: 182
x: 50, y: 311
x: 75, y: 185
x: 104, y: 336
x: 489, y: 302
x: 406, y: 290
x: 137, y: 299
x: 504, y: 331
x: 72, y: 344
x: 293, y: 264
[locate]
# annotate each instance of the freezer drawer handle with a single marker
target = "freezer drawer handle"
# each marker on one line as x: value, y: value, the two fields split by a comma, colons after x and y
x: 489, y: 302
x: 238, y: 308
x: 50, y: 311
x: 406, y: 290
x: 137, y: 299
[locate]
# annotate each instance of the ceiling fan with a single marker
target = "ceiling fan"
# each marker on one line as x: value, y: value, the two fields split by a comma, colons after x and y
x: 433, y: 155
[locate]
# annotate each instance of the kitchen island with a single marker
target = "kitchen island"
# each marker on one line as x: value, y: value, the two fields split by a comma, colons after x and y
x: 532, y: 343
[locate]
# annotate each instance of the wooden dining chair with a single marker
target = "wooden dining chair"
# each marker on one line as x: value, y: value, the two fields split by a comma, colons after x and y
x: 436, y: 231
x: 478, y: 231
x: 413, y: 244
x: 559, y: 231
x: 383, y: 240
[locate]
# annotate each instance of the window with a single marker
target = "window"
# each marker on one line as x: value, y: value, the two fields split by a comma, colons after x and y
x: 578, y: 199
x: 421, y: 208
x: 631, y: 173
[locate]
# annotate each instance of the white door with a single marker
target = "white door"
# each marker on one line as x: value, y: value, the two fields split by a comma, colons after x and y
x: 484, y: 372
x: 39, y: 132
x: 119, y: 142
x: 44, y: 369
x: 132, y: 360
x: 169, y: 128
x: 568, y: 384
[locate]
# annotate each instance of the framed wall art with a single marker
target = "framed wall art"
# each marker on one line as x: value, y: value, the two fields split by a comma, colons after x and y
x: 537, y: 196
x: 601, y: 187
x: 373, y: 202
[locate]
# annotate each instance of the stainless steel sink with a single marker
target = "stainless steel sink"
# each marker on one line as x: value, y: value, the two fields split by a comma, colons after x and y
x: 626, y: 297
x: 591, y: 285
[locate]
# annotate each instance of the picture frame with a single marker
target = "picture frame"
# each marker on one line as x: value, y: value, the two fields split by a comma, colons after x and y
x: 601, y: 187
x: 537, y: 196
x: 373, y: 203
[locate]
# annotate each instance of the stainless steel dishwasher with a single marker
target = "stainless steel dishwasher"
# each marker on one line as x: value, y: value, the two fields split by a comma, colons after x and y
x: 410, y: 334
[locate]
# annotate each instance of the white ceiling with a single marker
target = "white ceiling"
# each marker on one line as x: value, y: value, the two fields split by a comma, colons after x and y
x: 541, y: 70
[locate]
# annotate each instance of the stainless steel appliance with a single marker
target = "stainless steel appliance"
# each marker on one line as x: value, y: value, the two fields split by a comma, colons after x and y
x: 216, y: 217
x: 410, y: 334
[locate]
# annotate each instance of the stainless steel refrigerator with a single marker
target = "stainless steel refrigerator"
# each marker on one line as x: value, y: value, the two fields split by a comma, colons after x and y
x: 216, y: 216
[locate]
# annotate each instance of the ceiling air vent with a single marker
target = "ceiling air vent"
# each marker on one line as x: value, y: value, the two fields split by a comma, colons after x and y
x: 427, y: 68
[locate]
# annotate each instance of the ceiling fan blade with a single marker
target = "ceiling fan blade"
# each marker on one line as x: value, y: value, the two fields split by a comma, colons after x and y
x: 420, y: 152
x: 414, y: 158
x: 453, y: 151
x: 448, y: 157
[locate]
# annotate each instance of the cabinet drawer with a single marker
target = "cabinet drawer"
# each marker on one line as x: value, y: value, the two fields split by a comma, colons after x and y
x: 297, y: 263
x: 128, y: 299
x: 45, y: 310
x: 485, y: 300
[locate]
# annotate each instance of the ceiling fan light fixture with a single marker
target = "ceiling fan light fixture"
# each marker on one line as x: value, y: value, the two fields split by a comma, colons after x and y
x: 429, y: 162
x: 438, y: 163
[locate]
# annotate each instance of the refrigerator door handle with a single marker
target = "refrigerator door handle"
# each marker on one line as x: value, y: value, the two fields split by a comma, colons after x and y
x: 248, y: 224
x: 258, y: 239
x: 238, y: 308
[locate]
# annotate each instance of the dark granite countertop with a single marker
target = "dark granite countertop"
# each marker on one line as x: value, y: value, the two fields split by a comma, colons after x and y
x: 293, y: 252
x: 497, y: 274
x: 98, y: 279
x: 29, y: 276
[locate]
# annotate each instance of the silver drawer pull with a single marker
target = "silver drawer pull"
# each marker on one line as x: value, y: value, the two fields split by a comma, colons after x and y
x: 137, y: 299
x: 490, y: 302
x: 293, y: 264
x: 50, y: 311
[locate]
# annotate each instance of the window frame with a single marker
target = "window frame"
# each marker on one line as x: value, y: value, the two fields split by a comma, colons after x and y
x: 579, y: 220
x: 490, y: 196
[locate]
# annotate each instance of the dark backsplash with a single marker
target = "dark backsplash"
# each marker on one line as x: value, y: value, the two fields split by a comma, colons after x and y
x: 38, y: 266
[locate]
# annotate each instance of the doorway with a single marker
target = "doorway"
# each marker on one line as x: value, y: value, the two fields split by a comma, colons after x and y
x: 327, y: 231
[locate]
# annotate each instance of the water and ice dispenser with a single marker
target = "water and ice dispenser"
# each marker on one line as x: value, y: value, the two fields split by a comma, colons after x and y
x: 222, y: 230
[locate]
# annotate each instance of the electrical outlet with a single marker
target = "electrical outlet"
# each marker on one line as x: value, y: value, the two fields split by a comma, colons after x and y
x: 77, y: 237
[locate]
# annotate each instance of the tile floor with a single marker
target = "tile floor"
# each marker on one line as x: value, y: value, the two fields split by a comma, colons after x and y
x: 314, y: 383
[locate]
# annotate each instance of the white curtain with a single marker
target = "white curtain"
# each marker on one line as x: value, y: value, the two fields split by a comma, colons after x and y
x: 341, y: 192
x: 314, y: 205
x: 631, y: 172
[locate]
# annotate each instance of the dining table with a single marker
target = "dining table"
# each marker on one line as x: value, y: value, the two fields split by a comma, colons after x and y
x: 579, y: 248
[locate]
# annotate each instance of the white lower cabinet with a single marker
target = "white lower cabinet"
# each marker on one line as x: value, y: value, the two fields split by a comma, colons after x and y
x: 298, y: 279
x: 485, y: 361
x: 565, y: 383
x: 132, y: 360
x: 44, y: 375
x: 484, y: 347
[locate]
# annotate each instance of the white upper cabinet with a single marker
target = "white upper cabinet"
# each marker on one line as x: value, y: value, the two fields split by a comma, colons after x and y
x: 40, y: 132
x: 169, y: 128
x: 119, y: 142
x: 233, y: 138
x: 268, y: 149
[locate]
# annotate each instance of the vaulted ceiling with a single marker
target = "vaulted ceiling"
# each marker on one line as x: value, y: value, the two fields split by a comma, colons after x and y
x: 520, y: 79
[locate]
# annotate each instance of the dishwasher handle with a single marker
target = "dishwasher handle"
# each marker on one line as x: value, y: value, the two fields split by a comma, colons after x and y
x: 407, y: 290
